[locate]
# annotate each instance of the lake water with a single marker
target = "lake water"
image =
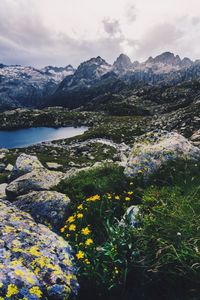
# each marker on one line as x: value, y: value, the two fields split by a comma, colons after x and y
x: 20, y: 138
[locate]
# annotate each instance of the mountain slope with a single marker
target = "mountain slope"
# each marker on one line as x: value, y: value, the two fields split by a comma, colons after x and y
x: 97, y: 80
x: 94, y: 81
x: 27, y: 86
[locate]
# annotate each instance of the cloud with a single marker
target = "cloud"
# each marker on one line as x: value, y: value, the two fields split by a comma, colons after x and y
x: 179, y: 36
x: 162, y: 37
x: 131, y: 13
x: 41, y: 32
x: 112, y: 27
x: 25, y: 39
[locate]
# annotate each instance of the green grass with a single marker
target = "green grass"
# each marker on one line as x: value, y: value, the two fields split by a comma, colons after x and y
x: 161, y: 258
x: 106, y: 179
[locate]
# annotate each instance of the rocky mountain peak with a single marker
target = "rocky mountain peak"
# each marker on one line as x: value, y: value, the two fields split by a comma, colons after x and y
x: 93, y: 68
x: 122, y: 62
x: 165, y: 58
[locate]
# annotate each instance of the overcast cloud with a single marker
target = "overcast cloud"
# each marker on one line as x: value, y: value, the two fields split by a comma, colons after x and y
x: 61, y: 32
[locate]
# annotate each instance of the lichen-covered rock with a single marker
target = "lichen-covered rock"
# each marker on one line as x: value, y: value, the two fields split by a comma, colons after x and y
x: 46, y: 207
x: 25, y: 164
x: 37, y: 180
x: 35, y: 263
x: 154, y: 149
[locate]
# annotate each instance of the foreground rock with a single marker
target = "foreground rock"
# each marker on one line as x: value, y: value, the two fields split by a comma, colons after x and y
x: 37, y: 180
x: 25, y: 164
x: 35, y: 263
x: 46, y: 207
x: 155, y: 149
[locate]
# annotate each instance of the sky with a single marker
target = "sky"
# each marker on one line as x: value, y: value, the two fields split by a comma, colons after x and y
x: 62, y: 32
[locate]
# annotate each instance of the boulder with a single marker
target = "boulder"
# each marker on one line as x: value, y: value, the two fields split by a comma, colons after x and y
x: 53, y: 165
x: 46, y: 207
x: 37, y: 180
x: 9, y: 168
x: 25, y: 164
x: 35, y: 263
x: 3, y: 190
x: 154, y: 149
x: 2, y: 156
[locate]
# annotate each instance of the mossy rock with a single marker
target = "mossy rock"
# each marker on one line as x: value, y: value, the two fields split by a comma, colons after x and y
x: 35, y: 263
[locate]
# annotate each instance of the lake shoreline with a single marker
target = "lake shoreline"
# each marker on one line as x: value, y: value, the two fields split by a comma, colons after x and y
x: 26, y: 137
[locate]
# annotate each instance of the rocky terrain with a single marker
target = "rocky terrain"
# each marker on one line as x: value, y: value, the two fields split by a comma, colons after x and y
x: 112, y: 213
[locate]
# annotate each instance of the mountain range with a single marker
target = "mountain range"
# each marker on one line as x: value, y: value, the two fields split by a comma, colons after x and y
x: 93, y: 81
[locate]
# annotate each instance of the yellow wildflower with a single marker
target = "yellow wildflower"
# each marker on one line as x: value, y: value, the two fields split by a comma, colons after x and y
x: 71, y: 219
x: 12, y: 290
x: 80, y: 207
x: 87, y: 262
x: 79, y: 216
x: 94, y: 198
x: 116, y: 270
x: 89, y: 242
x: 85, y: 231
x: 72, y: 227
x: 127, y: 198
x: 130, y: 193
x: 109, y: 196
x: 117, y: 197
x: 36, y: 291
x: 80, y: 254
x: 62, y: 229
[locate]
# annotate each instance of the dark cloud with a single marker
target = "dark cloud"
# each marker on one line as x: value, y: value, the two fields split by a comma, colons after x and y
x: 111, y: 27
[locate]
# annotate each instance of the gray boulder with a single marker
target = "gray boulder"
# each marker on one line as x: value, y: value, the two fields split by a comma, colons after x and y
x: 153, y: 150
x: 46, y: 207
x: 25, y: 164
x: 35, y: 263
x: 37, y: 180
x: 3, y: 190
